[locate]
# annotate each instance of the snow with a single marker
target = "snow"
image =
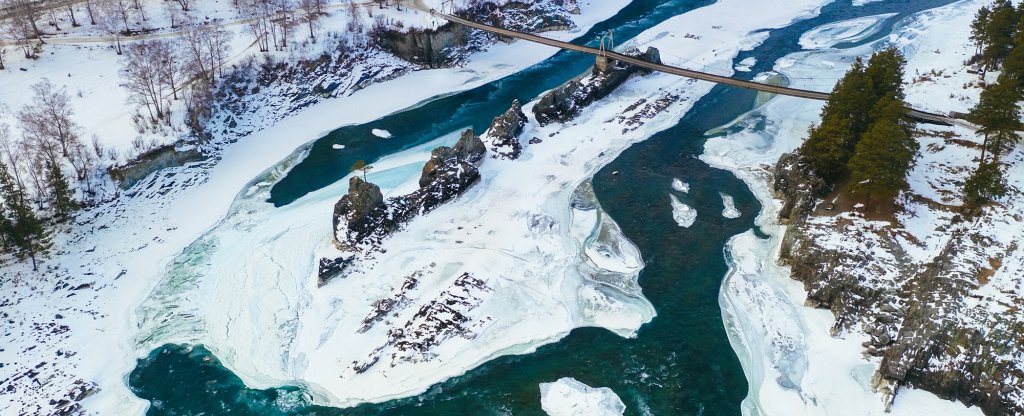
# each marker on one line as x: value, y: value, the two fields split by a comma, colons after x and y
x: 729, y: 207
x: 680, y: 186
x: 569, y: 397
x: 682, y: 214
x: 792, y: 363
x: 846, y: 31
x: 384, y: 134
x: 746, y: 64
x: 544, y: 266
x: 124, y: 257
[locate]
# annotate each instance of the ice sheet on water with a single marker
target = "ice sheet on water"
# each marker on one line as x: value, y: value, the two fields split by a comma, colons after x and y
x: 680, y: 186
x: 852, y: 30
x: 730, y: 210
x: 683, y: 214
x: 569, y: 397
x: 384, y: 134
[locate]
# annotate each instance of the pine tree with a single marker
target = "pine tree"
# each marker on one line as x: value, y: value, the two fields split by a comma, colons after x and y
x: 6, y: 227
x: 998, y: 33
x: 847, y: 115
x: 997, y: 115
x: 27, y: 234
x: 63, y: 201
x: 984, y: 185
x: 880, y: 162
x: 885, y: 72
x: 843, y: 119
x: 979, y: 26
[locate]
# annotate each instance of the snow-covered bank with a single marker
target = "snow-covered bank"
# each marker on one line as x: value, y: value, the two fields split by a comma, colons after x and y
x: 520, y: 259
x: 104, y: 266
x: 569, y: 397
x: 794, y: 366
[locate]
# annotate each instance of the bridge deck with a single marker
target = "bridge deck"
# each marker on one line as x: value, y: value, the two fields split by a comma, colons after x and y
x: 688, y: 73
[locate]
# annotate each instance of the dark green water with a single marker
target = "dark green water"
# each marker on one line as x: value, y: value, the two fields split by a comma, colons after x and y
x: 680, y: 364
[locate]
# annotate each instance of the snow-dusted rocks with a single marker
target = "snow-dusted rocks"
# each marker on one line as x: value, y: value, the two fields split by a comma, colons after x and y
x: 873, y: 274
x: 362, y: 217
x: 503, y: 136
x: 567, y: 101
x: 569, y: 397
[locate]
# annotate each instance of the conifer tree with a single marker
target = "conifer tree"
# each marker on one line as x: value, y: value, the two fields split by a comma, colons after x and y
x: 843, y: 119
x: 27, y: 234
x: 885, y: 71
x: 5, y: 219
x: 979, y: 26
x: 998, y: 31
x: 997, y: 115
x: 985, y: 184
x: 879, y: 165
x: 61, y: 197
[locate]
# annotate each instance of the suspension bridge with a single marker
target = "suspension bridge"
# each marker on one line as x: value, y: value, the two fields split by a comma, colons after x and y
x: 607, y: 54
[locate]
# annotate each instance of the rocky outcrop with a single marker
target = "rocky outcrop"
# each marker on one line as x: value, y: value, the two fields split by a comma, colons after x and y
x: 362, y: 211
x: 921, y: 318
x: 530, y: 16
x: 435, y: 48
x: 503, y: 135
x: 567, y: 101
x: 162, y: 157
x: 362, y: 218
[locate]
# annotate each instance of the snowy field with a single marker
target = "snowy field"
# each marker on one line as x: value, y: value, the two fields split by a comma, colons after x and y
x: 793, y: 365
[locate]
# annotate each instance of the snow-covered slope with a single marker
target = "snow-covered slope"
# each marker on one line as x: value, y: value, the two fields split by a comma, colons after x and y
x: 793, y: 363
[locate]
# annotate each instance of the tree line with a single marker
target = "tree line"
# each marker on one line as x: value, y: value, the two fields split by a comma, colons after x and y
x: 35, y: 167
x: 864, y: 141
x: 998, y: 34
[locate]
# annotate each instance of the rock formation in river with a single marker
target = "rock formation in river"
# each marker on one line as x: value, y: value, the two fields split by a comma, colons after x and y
x: 503, y: 135
x: 362, y: 217
x: 922, y: 319
x: 565, y: 102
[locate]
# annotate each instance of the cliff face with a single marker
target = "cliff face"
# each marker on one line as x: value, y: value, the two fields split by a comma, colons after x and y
x: 160, y: 158
x: 437, y: 48
x: 926, y: 303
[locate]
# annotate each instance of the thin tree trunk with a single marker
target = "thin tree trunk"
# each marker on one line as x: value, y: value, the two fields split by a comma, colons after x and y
x: 984, y: 148
x: 71, y: 14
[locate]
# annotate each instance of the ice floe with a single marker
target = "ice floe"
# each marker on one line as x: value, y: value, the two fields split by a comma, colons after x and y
x: 853, y: 30
x: 730, y: 210
x: 384, y: 134
x: 569, y: 397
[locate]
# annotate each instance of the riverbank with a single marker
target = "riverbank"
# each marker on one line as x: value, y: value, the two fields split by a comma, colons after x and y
x: 792, y: 362
x: 106, y: 264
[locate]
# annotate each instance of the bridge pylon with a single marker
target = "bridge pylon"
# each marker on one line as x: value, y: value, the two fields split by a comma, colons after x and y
x: 602, y: 63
